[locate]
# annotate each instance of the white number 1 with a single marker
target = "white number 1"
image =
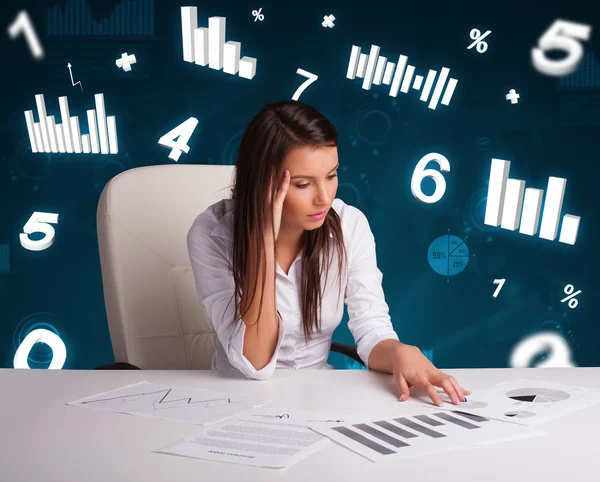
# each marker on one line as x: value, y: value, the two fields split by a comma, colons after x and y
x: 182, y: 132
x: 560, y: 35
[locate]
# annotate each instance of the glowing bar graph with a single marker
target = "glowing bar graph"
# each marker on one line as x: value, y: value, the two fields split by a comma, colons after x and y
x: 231, y: 57
x: 510, y: 204
x: 374, y: 69
x: 531, y: 211
x: 207, y: 46
x: 47, y: 136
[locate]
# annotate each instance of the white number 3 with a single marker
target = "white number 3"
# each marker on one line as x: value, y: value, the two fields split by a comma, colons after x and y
x: 182, y: 132
x: 560, y: 35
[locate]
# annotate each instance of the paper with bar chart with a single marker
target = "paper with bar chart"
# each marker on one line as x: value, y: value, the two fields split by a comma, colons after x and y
x: 376, y: 69
x: 511, y: 206
x: 46, y: 136
x: 421, y: 434
x: 206, y: 46
x: 528, y: 402
x: 180, y: 404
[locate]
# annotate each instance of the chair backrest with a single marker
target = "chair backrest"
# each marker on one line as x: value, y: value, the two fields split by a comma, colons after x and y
x: 143, y: 218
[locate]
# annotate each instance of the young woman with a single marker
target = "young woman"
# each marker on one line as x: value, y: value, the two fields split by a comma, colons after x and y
x: 269, y: 250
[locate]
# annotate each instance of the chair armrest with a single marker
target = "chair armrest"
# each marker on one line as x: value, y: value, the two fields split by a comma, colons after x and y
x: 348, y: 350
x: 118, y: 366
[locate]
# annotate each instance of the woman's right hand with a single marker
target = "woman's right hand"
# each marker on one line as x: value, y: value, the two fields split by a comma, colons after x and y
x: 277, y: 207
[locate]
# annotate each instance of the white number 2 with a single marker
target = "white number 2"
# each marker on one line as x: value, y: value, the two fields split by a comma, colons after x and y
x: 560, y: 35
x: 182, y: 132
x: 38, y: 223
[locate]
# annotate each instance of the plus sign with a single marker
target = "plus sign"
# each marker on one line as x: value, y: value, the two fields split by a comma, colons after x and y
x: 125, y: 61
x: 512, y: 96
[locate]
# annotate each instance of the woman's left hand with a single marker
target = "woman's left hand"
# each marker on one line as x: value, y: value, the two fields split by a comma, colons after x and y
x: 412, y: 368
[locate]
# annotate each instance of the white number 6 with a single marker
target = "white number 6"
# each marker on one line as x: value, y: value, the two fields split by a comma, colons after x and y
x: 38, y: 223
x: 421, y: 173
x: 560, y: 35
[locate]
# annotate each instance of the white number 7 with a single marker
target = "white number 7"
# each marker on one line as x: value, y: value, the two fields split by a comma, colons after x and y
x: 560, y: 35
x: 38, y: 223
x: 304, y: 85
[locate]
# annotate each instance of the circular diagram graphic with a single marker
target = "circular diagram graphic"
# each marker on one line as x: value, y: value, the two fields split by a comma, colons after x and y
x: 448, y: 255
x: 520, y: 414
x: 537, y: 395
x: 473, y: 405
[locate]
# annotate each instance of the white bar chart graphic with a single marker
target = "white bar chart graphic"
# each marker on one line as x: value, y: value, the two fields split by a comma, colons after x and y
x: 511, y: 206
x: 47, y: 136
x: 374, y: 69
x: 206, y: 46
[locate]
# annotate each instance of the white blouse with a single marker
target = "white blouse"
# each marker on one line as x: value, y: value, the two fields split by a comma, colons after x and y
x: 210, y: 245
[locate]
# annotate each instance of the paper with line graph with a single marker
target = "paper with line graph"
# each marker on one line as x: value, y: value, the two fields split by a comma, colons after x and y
x: 180, y: 404
x: 422, y: 434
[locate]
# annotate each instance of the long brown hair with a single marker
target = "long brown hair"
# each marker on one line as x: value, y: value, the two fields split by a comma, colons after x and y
x: 274, y: 131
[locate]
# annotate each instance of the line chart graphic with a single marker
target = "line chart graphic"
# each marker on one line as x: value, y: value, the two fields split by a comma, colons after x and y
x: 161, y: 401
x: 182, y: 404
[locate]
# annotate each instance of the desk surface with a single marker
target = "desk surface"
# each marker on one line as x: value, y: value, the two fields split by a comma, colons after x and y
x: 45, y: 439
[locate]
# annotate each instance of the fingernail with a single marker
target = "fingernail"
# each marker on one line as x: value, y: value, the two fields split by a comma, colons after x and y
x: 439, y: 404
x: 465, y: 399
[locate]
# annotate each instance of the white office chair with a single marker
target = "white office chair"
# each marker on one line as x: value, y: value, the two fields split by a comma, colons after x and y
x: 154, y: 317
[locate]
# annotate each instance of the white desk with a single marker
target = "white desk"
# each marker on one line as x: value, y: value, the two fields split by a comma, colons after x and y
x: 42, y: 439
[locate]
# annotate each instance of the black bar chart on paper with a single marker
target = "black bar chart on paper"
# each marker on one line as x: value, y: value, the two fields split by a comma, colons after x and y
x: 421, y: 434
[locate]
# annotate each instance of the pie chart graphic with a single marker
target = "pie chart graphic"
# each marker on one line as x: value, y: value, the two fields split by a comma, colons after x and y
x: 448, y: 255
x: 520, y: 414
x: 537, y: 395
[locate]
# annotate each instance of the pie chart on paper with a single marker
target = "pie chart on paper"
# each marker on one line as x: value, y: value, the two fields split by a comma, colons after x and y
x: 537, y: 395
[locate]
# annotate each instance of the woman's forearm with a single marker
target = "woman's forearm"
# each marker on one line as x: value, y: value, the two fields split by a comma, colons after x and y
x: 261, y: 335
x: 382, y: 355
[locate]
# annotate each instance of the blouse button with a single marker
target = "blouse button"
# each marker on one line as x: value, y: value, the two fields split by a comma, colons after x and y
x: 296, y: 314
x: 292, y: 286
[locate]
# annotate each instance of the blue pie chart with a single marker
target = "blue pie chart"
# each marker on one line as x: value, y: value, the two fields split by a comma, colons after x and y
x: 448, y: 255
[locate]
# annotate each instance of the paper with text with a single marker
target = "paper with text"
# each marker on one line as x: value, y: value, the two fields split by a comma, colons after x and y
x: 273, y: 438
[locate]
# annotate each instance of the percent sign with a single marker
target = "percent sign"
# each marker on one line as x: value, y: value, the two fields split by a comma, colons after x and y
x: 572, y: 302
x: 481, y: 45
x: 258, y: 15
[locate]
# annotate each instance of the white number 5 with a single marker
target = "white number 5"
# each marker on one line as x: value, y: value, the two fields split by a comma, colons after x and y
x: 560, y: 35
x: 38, y: 223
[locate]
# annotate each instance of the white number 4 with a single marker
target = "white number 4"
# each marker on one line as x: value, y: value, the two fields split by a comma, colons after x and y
x: 560, y: 35
x: 182, y: 132
x: 38, y: 223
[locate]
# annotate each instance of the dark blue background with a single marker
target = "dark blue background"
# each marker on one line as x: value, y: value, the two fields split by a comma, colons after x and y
x: 552, y: 131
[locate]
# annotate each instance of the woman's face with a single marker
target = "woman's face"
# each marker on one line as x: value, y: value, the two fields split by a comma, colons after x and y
x: 313, y: 186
